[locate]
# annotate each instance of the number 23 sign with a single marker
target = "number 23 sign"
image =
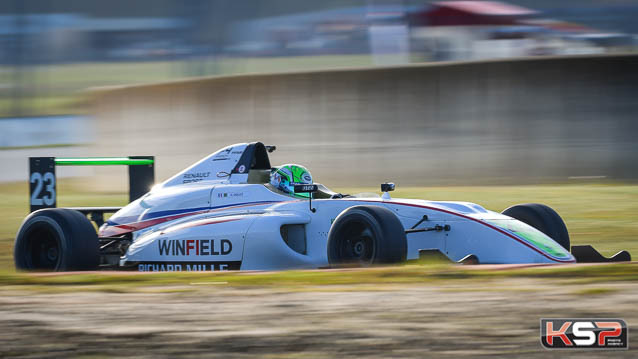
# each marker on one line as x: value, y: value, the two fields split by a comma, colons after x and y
x: 42, y: 182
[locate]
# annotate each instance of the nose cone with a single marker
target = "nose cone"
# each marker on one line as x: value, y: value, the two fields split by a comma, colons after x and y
x: 534, y: 238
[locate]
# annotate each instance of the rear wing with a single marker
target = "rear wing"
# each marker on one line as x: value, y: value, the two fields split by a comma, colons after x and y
x: 42, y: 180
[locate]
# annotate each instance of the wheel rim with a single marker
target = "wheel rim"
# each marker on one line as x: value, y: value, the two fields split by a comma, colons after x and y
x: 43, y: 248
x: 356, y: 245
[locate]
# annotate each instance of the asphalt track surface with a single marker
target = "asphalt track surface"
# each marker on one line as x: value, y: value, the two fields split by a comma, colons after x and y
x: 211, y: 319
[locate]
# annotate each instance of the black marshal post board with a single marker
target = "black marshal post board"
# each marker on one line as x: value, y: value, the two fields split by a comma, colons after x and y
x: 42, y: 180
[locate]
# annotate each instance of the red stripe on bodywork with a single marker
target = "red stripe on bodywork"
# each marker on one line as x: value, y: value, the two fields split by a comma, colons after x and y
x: 202, y: 222
x: 120, y: 229
x: 477, y: 221
x: 117, y: 230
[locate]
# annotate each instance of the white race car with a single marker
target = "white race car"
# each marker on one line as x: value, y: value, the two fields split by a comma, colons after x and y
x: 222, y: 214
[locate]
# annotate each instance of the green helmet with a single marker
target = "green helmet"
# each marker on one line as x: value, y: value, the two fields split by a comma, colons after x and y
x: 287, y: 176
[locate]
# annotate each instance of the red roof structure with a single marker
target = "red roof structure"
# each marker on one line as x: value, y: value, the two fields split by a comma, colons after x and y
x: 558, y: 25
x: 464, y: 13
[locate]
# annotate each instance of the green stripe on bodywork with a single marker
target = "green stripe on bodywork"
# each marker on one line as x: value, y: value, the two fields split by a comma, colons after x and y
x: 101, y: 161
x: 532, y: 236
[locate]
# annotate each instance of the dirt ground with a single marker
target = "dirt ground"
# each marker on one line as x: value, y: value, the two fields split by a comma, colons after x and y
x: 210, y: 319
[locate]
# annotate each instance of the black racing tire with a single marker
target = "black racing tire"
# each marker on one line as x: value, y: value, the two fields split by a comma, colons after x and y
x: 543, y: 218
x: 365, y: 236
x: 56, y: 239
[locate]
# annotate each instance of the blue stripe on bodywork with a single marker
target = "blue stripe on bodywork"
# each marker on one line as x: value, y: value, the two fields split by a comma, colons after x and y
x: 158, y: 214
x: 172, y: 212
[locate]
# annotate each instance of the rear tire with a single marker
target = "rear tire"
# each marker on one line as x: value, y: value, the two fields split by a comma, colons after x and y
x: 543, y: 218
x: 366, y: 235
x: 56, y: 239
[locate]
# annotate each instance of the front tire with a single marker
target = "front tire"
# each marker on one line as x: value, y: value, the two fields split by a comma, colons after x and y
x: 543, y: 218
x: 56, y: 239
x: 366, y: 235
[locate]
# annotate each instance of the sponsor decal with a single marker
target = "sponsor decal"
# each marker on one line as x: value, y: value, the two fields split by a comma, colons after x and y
x: 305, y: 188
x: 241, y: 169
x: 579, y: 333
x: 189, y: 267
x: 223, y: 155
x: 230, y: 194
x: 195, y: 177
x: 194, y: 247
x: 306, y: 177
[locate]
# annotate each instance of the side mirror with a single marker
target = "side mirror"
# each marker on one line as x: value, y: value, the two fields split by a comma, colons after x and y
x: 387, y: 187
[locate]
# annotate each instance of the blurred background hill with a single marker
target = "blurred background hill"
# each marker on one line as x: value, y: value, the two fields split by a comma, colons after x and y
x: 52, y: 52
x: 199, y: 38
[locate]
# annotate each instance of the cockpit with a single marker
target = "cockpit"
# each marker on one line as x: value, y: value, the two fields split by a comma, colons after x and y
x: 255, y: 159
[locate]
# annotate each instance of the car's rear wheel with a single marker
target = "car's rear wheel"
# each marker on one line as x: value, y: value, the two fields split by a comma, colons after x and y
x: 56, y: 239
x: 366, y: 235
x: 543, y: 218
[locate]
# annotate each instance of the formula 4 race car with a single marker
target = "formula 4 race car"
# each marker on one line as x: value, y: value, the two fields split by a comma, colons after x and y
x: 222, y: 214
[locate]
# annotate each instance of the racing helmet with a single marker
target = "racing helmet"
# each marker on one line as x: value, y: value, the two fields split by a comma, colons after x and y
x: 285, y: 177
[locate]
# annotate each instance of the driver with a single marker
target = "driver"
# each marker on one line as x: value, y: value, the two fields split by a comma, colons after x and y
x: 285, y: 177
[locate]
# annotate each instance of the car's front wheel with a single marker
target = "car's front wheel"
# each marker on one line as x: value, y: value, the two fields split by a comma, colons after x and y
x: 543, y: 218
x: 366, y: 235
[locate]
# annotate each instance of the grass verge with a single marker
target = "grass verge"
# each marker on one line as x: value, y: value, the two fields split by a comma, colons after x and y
x: 397, y: 275
x: 602, y: 215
